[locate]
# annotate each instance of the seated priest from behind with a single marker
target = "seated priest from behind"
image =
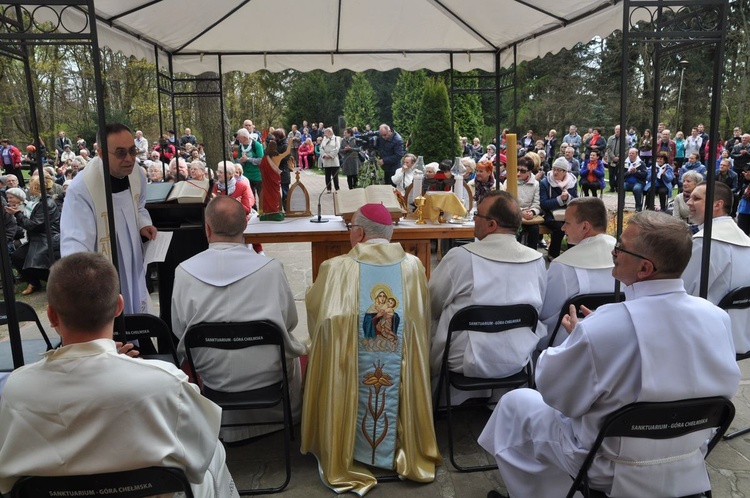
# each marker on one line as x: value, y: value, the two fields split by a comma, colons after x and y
x: 228, y: 282
x: 730, y: 254
x: 585, y: 268
x: 368, y: 310
x: 496, y: 270
x: 85, y: 409
x: 620, y: 354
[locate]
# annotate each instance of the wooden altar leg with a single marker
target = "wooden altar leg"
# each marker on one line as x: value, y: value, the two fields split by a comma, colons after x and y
x: 421, y: 249
x: 322, y: 251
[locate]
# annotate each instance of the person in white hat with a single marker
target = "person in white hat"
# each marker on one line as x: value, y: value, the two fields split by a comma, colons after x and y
x: 556, y: 189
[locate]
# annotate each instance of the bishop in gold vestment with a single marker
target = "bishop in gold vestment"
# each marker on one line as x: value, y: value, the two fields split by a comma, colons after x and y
x: 330, y: 423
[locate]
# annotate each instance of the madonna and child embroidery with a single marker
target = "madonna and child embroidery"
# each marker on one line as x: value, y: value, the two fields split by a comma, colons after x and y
x: 379, y: 363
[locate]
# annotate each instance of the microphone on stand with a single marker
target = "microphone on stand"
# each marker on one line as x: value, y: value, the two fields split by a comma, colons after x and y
x: 320, y: 219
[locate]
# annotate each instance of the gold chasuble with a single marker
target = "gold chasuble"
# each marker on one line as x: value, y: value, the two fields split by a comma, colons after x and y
x: 349, y: 324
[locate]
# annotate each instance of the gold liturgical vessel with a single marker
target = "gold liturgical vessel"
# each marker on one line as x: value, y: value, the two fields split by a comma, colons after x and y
x: 419, y: 202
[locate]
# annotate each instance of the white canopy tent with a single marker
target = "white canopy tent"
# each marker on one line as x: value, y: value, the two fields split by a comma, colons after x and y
x: 331, y: 35
x: 196, y: 36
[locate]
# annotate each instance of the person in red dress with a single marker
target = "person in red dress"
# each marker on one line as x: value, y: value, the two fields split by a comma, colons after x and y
x: 272, y: 166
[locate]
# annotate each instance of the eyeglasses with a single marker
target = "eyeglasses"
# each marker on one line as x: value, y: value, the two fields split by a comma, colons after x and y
x: 477, y: 214
x: 523, y: 170
x: 121, y: 153
x: 351, y: 225
x: 618, y: 249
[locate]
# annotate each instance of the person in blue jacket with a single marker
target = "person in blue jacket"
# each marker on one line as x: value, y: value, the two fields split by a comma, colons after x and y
x: 663, y: 183
x: 592, y: 174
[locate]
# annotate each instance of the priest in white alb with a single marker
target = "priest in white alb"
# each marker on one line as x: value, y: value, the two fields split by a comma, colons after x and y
x: 729, y: 266
x: 497, y: 270
x: 229, y: 282
x: 585, y: 268
x: 620, y: 354
x: 84, y: 223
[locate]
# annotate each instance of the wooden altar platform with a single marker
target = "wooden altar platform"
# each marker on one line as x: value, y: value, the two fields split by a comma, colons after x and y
x: 332, y: 238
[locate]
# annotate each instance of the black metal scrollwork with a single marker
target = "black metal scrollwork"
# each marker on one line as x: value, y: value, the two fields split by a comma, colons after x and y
x: 44, y: 20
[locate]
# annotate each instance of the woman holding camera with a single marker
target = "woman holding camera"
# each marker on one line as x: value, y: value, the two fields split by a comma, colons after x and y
x: 32, y: 259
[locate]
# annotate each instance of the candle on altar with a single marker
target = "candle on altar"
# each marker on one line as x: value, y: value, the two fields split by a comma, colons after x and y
x: 511, y: 155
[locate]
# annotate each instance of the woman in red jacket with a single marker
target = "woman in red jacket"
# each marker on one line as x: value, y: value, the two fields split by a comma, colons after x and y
x: 233, y: 188
x: 236, y: 190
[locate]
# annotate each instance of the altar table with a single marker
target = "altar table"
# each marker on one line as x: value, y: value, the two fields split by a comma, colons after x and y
x: 332, y: 238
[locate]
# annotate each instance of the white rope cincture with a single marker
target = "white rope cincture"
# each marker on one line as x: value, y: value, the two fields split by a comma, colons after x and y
x: 645, y: 463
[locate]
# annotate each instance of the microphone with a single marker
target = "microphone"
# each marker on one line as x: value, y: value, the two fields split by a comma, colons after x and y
x: 328, y: 185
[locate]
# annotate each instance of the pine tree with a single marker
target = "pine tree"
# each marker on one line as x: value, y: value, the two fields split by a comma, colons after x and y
x: 360, y: 105
x: 407, y: 96
x: 432, y: 131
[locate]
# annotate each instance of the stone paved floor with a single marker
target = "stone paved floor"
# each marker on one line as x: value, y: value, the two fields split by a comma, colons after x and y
x: 261, y: 464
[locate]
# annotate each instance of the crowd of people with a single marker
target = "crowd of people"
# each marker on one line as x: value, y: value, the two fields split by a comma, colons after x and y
x: 376, y: 310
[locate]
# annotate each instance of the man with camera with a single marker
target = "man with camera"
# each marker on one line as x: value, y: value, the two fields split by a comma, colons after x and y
x: 741, y: 153
x: 391, y: 150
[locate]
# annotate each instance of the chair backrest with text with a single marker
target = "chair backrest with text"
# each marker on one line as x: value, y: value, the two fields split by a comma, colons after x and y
x: 229, y: 336
x: 490, y: 320
x: 234, y: 336
x: 487, y: 320
x: 657, y: 421
x: 143, y: 327
x: 138, y: 483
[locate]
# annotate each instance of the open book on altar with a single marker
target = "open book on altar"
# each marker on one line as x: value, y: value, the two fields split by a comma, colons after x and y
x: 346, y: 203
x: 185, y: 192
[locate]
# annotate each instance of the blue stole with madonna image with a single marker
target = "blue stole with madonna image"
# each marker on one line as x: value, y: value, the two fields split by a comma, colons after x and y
x: 380, y: 338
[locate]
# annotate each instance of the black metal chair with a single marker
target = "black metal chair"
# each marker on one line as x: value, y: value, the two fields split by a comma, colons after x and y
x: 25, y: 313
x: 138, y: 483
x: 490, y: 320
x: 143, y: 328
x: 658, y: 421
x: 591, y: 301
x: 736, y: 300
x: 233, y: 336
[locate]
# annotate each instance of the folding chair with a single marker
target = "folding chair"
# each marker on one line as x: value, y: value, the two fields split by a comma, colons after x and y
x: 143, y: 328
x: 138, y: 483
x: 490, y: 320
x: 658, y: 421
x: 26, y: 313
x: 233, y: 336
x: 736, y: 300
x: 591, y: 301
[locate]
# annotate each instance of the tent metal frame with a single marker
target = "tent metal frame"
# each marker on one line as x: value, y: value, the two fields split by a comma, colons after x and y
x: 676, y: 26
x: 505, y: 79
x: 19, y: 29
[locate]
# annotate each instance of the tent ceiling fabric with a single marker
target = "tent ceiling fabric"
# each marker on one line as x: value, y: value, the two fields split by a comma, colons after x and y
x: 348, y: 34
